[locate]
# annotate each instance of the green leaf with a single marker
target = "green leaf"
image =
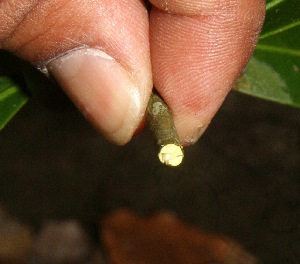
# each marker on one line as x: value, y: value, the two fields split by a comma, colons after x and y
x: 12, y: 98
x: 274, y: 71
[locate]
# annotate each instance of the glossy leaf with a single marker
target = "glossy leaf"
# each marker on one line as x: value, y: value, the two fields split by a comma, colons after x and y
x: 274, y: 71
x: 12, y: 98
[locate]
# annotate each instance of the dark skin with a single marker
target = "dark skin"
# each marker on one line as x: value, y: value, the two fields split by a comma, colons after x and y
x: 107, y: 54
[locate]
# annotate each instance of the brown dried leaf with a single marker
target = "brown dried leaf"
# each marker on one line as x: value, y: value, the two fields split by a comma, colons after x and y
x: 162, y: 238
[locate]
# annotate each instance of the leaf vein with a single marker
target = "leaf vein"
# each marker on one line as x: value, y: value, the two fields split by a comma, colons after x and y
x: 279, y: 30
x: 273, y: 4
x: 286, y: 51
x: 8, y: 92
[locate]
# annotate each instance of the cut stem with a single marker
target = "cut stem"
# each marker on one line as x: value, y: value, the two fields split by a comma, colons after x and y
x: 162, y: 125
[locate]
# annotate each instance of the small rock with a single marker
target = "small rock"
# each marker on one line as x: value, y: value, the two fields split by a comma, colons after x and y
x: 61, y: 242
x: 16, y: 240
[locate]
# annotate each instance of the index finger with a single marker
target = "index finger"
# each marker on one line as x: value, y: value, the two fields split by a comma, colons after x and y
x: 198, y: 49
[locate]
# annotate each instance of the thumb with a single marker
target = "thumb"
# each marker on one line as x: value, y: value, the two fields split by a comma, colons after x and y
x: 94, y: 49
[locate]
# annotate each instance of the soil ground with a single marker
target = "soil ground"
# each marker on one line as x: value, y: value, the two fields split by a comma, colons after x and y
x: 242, y: 179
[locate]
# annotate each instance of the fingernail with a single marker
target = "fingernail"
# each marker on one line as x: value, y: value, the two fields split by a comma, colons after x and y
x: 190, y: 129
x: 103, y: 91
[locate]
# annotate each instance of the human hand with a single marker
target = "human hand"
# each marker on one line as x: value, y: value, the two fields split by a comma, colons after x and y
x: 100, y: 51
